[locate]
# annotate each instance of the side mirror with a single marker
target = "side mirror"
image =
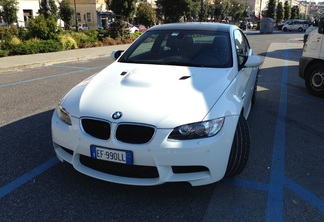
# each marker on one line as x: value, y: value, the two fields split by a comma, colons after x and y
x: 253, y: 61
x: 116, y: 54
x: 321, y: 25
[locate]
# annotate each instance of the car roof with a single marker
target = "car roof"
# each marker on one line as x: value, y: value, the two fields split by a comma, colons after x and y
x: 205, y: 26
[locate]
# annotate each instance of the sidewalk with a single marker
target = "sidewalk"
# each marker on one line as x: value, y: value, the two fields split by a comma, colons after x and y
x: 12, y: 63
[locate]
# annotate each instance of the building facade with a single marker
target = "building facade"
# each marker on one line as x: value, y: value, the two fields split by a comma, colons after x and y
x: 95, y: 13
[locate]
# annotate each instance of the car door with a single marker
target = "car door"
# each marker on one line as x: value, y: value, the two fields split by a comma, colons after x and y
x: 246, y: 77
x: 296, y: 25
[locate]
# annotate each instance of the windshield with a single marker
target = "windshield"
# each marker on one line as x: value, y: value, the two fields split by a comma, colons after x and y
x: 185, y: 48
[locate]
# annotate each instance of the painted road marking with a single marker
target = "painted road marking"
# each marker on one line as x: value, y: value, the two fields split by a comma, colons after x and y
x: 49, y: 77
x: 275, y: 188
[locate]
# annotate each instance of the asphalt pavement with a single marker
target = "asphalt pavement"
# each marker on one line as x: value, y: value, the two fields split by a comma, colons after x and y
x: 14, y: 63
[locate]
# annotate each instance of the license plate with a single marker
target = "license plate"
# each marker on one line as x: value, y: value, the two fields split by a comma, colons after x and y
x: 113, y: 155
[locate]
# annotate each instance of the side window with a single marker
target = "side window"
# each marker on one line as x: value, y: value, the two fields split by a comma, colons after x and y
x: 242, y: 46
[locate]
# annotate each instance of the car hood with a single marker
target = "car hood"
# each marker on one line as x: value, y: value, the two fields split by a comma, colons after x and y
x: 160, y: 95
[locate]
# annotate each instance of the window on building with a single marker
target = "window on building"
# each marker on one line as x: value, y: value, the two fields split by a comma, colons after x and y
x: 79, y: 17
x: 88, y: 17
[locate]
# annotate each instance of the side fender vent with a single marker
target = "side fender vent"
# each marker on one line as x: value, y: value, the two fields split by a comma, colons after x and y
x: 184, y: 77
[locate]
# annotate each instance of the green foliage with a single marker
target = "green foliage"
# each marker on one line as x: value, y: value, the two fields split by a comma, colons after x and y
x: 119, y: 30
x: 9, y: 11
x: 280, y: 12
x: 236, y: 10
x: 6, y: 35
x: 67, y: 41
x: 6, y: 32
x: 172, y: 10
x: 294, y: 12
x: 4, y: 53
x: 24, y: 34
x: 195, y: 9
x: 126, y: 8
x: 92, y: 35
x: 15, y: 40
x: 102, y: 34
x: 85, y: 39
x: 43, y: 28
x: 34, y: 46
x: 271, y: 9
x: 52, y: 8
x: 135, y: 35
x: 66, y: 13
x: 287, y: 10
x: 145, y: 15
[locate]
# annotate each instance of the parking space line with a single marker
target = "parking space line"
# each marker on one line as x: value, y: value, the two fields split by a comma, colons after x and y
x: 275, y: 201
x: 49, y: 77
x: 27, y: 177
x: 305, y: 194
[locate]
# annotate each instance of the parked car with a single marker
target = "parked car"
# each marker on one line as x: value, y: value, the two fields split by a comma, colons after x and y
x: 133, y: 29
x: 296, y: 25
x: 173, y: 107
x: 81, y: 27
x: 280, y: 25
x: 141, y: 28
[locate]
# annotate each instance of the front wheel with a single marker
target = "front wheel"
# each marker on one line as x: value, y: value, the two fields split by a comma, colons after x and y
x: 314, y: 80
x: 300, y: 29
x: 285, y: 29
x: 240, y: 149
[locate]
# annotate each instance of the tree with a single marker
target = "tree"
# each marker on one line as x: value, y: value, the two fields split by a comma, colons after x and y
x: 280, y: 12
x: 194, y: 9
x: 145, y: 14
x: 271, y: 9
x: 294, y: 12
x: 43, y: 28
x: 123, y: 7
x: 218, y: 10
x: 173, y: 10
x: 66, y: 13
x: 287, y: 10
x: 9, y: 11
x: 236, y: 10
x: 44, y: 10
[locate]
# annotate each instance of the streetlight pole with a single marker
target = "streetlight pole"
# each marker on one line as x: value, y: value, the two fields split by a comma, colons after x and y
x: 76, y: 17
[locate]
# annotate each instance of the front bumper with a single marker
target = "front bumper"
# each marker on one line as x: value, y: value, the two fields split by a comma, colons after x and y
x: 303, y: 63
x: 199, y: 162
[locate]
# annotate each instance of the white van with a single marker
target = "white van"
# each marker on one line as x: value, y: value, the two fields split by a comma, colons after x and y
x: 296, y: 25
x: 311, y: 28
x: 311, y: 63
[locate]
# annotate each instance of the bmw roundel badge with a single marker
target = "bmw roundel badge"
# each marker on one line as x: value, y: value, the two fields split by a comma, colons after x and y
x: 117, y: 115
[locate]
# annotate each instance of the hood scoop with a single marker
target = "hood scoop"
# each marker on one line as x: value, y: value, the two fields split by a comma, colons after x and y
x: 123, y: 73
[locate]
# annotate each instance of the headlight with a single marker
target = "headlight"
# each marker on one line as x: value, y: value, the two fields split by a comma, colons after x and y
x: 63, y: 114
x: 197, y: 130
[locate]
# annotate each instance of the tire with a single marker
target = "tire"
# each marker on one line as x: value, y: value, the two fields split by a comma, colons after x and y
x: 240, y: 149
x: 314, y: 80
x: 300, y: 29
x: 285, y: 29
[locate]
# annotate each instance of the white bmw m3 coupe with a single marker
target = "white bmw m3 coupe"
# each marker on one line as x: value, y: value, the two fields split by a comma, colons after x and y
x: 170, y: 108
